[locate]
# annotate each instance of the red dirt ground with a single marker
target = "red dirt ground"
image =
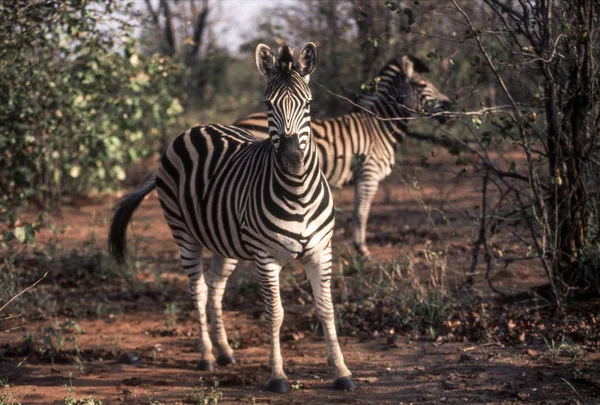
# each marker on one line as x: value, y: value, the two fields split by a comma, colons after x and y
x: 406, y: 219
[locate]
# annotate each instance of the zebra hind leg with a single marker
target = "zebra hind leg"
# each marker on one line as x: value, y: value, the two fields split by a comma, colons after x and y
x: 268, y: 275
x: 365, y: 189
x: 192, y: 264
x: 318, y: 271
x: 220, y: 270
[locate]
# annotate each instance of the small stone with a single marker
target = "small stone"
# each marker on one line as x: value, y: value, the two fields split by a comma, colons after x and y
x: 131, y: 358
x: 464, y: 358
x: 449, y: 385
x: 127, y: 392
x: 392, y: 341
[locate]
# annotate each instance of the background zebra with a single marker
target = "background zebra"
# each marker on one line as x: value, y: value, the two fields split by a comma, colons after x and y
x: 262, y: 201
x: 361, y: 147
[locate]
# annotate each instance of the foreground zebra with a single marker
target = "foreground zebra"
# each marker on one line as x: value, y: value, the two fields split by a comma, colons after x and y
x: 262, y: 201
x: 361, y: 147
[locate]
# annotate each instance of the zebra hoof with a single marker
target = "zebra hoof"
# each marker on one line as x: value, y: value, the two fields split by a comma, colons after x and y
x: 280, y: 386
x: 223, y: 360
x: 363, y: 253
x: 345, y: 384
x: 205, y: 365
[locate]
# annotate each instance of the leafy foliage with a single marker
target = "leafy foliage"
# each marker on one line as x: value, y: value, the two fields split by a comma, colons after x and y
x: 79, y: 102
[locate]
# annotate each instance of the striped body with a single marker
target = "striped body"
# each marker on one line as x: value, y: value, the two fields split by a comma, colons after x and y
x: 360, y: 147
x: 221, y: 188
x: 264, y: 201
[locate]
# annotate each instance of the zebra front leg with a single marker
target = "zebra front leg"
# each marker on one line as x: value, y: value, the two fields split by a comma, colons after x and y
x: 318, y: 271
x: 220, y: 270
x: 268, y: 275
x: 192, y: 264
x: 365, y: 189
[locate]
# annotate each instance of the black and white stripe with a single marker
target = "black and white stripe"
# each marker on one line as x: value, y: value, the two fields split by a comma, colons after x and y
x: 244, y: 199
x: 361, y: 147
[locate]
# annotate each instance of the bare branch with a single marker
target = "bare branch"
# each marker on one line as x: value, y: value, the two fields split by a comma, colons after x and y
x: 489, y: 60
x: 199, y: 29
x: 419, y: 115
x: 152, y: 12
x: 24, y: 291
x: 482, y: 231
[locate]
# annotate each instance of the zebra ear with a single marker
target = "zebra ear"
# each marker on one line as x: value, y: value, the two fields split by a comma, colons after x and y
x: 264, y: 58
x: 308, y: 59
x: 418, y: 65
x: 407, y: 66
x: 411, y: 64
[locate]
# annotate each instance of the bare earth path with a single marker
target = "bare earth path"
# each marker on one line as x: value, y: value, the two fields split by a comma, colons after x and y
x: 111, y: 326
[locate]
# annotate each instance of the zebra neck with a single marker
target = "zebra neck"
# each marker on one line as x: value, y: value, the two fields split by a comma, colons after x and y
x: 388, y: 114
x: 292, y: 187
x: 392, y: 130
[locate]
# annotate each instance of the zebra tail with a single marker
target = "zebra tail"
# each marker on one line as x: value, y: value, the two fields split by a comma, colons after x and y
x: 117, y: 236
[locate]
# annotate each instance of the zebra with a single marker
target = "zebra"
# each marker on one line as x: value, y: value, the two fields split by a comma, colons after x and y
x: 264, y: 201
x: 360, y: 146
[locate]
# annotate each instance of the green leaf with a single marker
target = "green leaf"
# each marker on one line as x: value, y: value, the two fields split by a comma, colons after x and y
x: 392, y: 5
x: 477, y: 121
x: 20, y: 234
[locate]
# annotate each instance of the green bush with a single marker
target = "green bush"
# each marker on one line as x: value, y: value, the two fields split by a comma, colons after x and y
x: 78, y: 102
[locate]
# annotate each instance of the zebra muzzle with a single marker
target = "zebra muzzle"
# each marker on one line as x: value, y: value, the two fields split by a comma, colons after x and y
x: 291, y: 155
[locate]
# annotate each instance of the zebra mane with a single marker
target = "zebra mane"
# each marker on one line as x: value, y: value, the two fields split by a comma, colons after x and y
x: 285, y: 59
x: 418, y: 65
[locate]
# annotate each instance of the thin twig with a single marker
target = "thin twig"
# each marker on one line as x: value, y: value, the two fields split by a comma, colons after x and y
x: 25, y: 290
x: 482, y: 229
x: 574, y: 390
x: 420, y: 114
x: 6, y: 318
x: 489, y: 60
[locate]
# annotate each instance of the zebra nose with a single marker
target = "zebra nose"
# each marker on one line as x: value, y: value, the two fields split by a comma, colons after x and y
x: 292, y: 155
x: 447, y: 105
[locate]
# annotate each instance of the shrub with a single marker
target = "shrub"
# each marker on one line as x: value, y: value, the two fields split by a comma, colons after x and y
x: 78, y: 102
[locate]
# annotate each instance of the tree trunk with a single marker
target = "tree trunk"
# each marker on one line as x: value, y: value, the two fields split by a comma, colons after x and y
x: 365, y: 15
x: 199, y: 28
x: 170, y: 46
x: 567, y: 145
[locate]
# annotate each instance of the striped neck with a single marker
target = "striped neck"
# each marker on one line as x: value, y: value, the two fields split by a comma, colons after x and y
x: 382, y: 106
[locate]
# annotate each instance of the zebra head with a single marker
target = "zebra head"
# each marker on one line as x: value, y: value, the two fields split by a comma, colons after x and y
x: 408, y: 92
x: 288, y: 102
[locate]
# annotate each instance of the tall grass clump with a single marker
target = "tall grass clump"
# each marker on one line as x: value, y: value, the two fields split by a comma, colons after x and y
x: 398, y: 295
